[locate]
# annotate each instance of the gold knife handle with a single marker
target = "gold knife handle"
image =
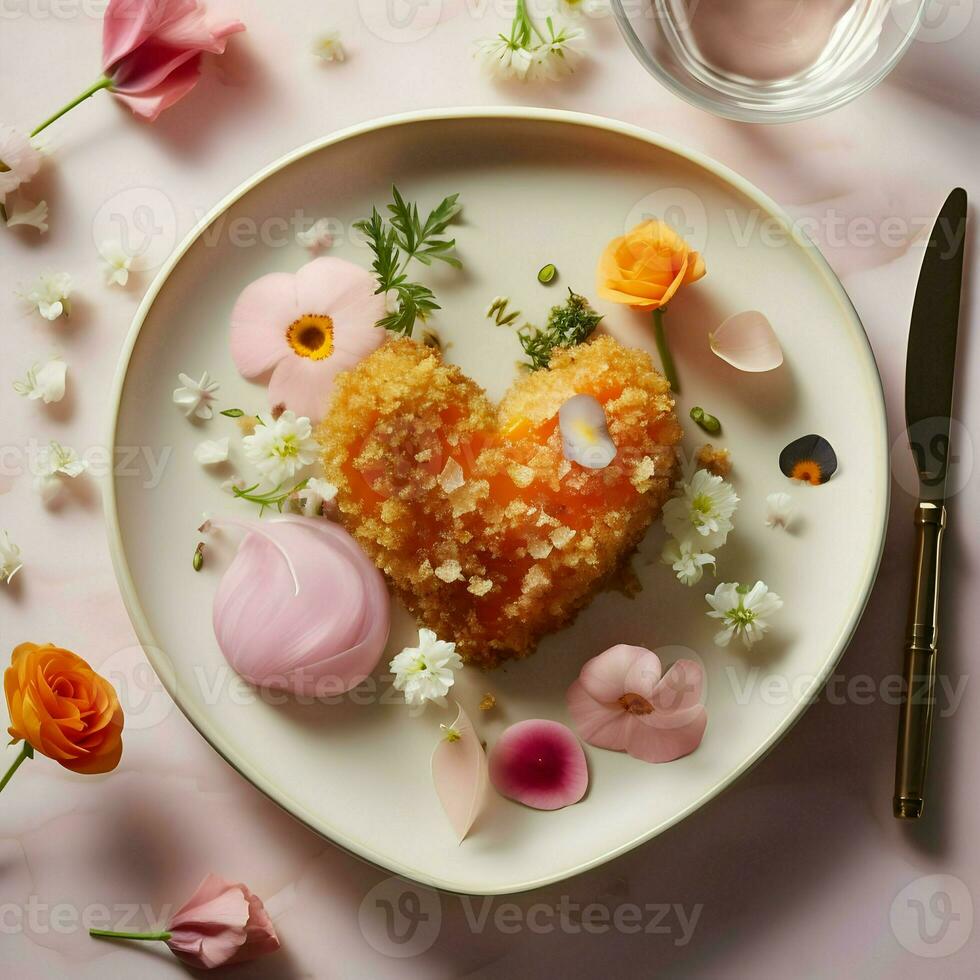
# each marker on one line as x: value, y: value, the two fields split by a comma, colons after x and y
x: 921, y: 651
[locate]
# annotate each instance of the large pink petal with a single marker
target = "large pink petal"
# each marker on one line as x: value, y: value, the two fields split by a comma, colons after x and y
x: 330, y: 285
x: 149, y: 103
x: 459, y: 774
x: 604, y: 676
x: 127, y: 23
x: 600, y: 724
x: 259, y: 320
x: 644, y: 674
x: 305, y: 385
x: 539, y: 763
x: 680, y: 688
x: 655, y: 744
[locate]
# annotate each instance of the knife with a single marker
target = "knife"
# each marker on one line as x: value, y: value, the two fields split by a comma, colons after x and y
x: 928, y: 406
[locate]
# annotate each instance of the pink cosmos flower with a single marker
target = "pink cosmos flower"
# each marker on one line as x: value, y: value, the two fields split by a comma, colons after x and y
x: 623, y: 701
x: 19, y: 160
x: 221, y: 923
x: 151, y: 50
x: 306, y: 328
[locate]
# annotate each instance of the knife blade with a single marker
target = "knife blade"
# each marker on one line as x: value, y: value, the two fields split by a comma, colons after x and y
x: 932, y: 347
x: 929, y: 369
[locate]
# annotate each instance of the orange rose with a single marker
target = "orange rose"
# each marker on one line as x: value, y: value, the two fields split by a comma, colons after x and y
x: 63, y: 708
x: 646, y: 266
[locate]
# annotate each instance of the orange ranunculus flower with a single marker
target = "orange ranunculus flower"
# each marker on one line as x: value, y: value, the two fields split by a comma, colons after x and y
x: 646, y: 266
x: 63, y: 708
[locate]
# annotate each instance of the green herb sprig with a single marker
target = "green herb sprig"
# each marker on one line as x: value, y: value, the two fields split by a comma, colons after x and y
x: 399, y: 238
x: 569, y: 324
x: 276, y: 497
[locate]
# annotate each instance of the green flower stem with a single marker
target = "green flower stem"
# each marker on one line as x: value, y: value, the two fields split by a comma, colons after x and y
x: 664, y: 351
x: 102, y: 83
x: 109, y: 934
x: 26, y: 752
x: 523, y: 26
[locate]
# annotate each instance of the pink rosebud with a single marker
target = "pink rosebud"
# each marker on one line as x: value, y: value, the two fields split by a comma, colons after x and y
x: 221, y: 923
x: 151, y: 50
x: 623, y: 701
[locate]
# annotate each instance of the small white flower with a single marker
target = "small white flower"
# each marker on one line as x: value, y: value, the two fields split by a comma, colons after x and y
x: 504, y: 59
x: 559, y: 55
x: 21, y: 160
x: 280, y: 448
x: 10, y: 563
x: 195, y: 397
x: 49, y: 295
x: 744, y: 612
x: 46, y: 383
x: 53, y: 463
x: 212, y: 451
x: 585, y: 435
x: 116, y: 262
x: 328, y: 47
x: 314, y: 495
x: 25, y: 212
x: 702, y: 515
x: 686, y: 561
x: 317, y: 236
x: 425, y: 672
x: 779, y: 509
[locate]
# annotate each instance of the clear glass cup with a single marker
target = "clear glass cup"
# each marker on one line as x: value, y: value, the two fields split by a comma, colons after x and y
x: 768, y: 60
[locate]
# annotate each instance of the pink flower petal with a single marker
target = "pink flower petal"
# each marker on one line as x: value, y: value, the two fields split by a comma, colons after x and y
x: 748, y: 342
x: 602, y: 724
x: 539, y: 763
x: 304, y: 385
x: 664, y: 744
x: 459, y: 774
x: 604, y: 676
x: 644, y: 674
x: 259, y: 319
x: 333, y: 286
x: 680, y: 687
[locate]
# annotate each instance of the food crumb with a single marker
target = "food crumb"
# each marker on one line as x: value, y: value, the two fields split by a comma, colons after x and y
x: 449, y: 571
x: 487, y: 702
x: 716, y: 461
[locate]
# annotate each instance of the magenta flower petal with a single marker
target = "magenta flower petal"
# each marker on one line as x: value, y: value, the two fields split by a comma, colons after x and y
x: 459, y: 774
x: 539, y: 763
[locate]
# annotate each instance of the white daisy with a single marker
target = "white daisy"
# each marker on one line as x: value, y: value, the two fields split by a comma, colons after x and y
x: 504, y: 59
x: 195, y: 397
x: 317, y: 236
x: 328, y: 47
x: 314, y: 495
x: 49, y: 295
x: 779, y: 509
x: 20, y: 158
x: 702, y: 514
x: 10, y: 563
x: 559, y: 55
x: 686, y: 561
x: 45, y: 383
x: 281, y: 447
x: 212, y: 451
x: 425, y: 672
x: 744, y: 612
x: 116, y: 262
x: 25, y: 212
x: 53, y: 463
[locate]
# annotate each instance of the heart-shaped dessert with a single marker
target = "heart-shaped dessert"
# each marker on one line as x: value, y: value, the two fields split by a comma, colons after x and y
x: 489, y: 535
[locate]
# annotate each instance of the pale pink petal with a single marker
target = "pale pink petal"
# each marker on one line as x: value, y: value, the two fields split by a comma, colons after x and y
x: 539, y: 763
x: 259, y: 320
x: 304, y: 385
x: 644, y: 674
x: 604, y: 676
x: 748, y: 342
x: 331, y: 285
x: 600, y: 724
x: 460, y: 775
x: 680, y: 687
x: 664, y: 744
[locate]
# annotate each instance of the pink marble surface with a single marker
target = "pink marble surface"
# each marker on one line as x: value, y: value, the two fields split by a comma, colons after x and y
x: 798, y: 870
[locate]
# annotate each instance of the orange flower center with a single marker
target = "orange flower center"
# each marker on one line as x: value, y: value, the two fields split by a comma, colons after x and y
x: 807, y: 470
x: 311, y: 336
x: 635, y: 704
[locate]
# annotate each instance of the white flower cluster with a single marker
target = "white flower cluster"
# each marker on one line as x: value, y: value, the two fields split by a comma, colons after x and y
x: 529, y: 53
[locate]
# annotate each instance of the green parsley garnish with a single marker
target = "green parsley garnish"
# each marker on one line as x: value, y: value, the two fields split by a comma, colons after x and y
x: 568, y: 324
x: 395, y: 241
x: 276, y: 497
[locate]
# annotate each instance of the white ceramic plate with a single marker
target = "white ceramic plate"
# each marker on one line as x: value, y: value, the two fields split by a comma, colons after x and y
x: 537, y: 186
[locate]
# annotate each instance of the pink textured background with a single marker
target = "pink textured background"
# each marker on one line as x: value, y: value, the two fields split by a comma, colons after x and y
x: 796, y: 868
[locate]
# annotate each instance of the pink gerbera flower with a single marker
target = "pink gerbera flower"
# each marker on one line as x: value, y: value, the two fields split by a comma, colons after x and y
x: 623, y: 701
x: 306, y: 328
